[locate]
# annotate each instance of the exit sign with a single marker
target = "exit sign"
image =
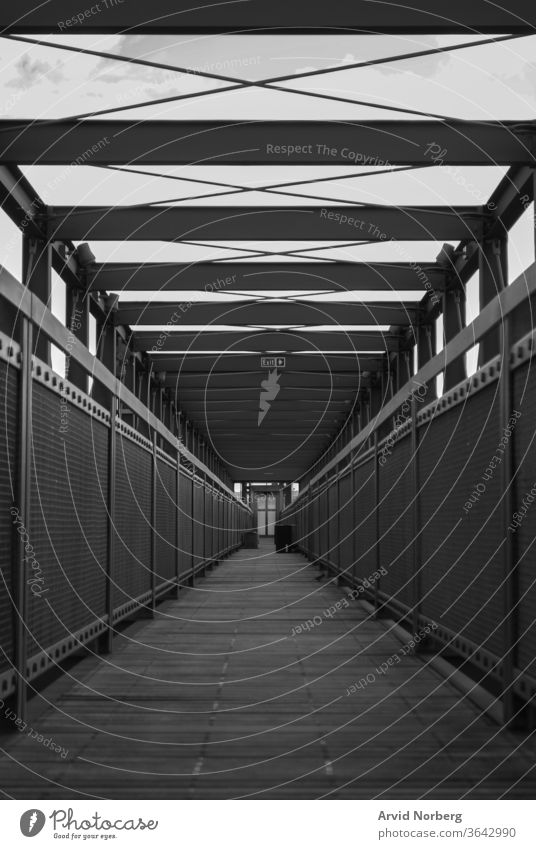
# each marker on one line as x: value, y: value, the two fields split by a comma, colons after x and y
x: 273, y: 362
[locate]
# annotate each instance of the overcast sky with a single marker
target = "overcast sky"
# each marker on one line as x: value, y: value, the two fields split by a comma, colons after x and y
x: 486, y: 82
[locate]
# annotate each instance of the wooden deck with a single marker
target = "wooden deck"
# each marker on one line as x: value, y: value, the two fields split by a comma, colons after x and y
x: 215, y: 698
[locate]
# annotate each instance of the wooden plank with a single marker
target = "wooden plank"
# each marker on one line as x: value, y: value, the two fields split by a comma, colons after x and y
x: 225, y: 695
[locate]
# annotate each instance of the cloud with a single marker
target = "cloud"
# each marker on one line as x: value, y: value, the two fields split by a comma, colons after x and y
x: 31, y: 73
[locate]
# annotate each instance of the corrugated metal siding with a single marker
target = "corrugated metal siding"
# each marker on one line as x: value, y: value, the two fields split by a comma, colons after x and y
x: 333, y: 499
x: 524, y: 440
x: 346, y: 525
x: 315, y: 542
x: 323, y: 524
x: 133, y: 490
x: 461, y: 552
x: 208, y: 524
x: 68, y: 523
x: 166, y: 521
x: 396, y: 521
x: 199, y: 528
x: 365, y: 540
x: 185, y: 523
x: 9, y: 383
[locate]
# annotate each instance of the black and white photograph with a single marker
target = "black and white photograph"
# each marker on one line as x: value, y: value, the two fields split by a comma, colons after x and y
x: 268, y: 422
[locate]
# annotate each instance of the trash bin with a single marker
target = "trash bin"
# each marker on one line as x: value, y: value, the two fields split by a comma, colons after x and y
x: 283, y: 537
x: 250, y: 539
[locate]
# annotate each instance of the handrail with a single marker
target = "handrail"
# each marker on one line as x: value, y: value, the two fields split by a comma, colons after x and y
x: 491, y: 315
x: 35, y: 310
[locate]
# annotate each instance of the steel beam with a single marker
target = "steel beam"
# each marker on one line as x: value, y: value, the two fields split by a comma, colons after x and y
x: 263, y: 341
x: 202, y: 382
x: 279, y: 16
x: 201, y: 364
x: 349, y: 143
x: 221, y: 393
x: 214, y: 277
x: 264, y: 223
x: 22, y: 513
x: 307, y: 405
x: 292, y: 313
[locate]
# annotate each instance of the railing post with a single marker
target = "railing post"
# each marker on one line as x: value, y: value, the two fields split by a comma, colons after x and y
x: 192, y: 520
x: 204, y: 497
x: 339, y: 527
x: 213, y: 521
x: 415, y: 513
x: 453, y: 323
x: 308, y: 524
x: 493, y: 274
x: 37, y: 276
x: 328, y: 526
x: 377, y: 559
x: 426, y: 348
x: 107, y: 641
x: 178, y: 522
x: 509, y: 555
x: 152, y: 607
x: 225, y: 526
x: 20, y: 569
x: 77, y: 314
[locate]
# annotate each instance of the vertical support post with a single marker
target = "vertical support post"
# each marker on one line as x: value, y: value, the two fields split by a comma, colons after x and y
x: 77, y: 317
x: 328, y: 526
x: 20, y: 570
x: 307, y: 524
x: 178, y: 522
x: 376, y: 396
x: 415, y: 546
x: 213, y: 522
x: 107, y: 641
x: 493, y: 274
x: 37, y: 276
x: 339, y: 528
x: 204, y: 496
x: 426, y: 348
x: 510, y: 628
x: 134, y: 383
x: 152, y: 607
x: 453, y: 323
x: 192, y: 518
x: 226, y: 524
x: 108, y: 356
x: 377, y: 558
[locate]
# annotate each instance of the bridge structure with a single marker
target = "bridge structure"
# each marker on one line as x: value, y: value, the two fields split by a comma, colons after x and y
x: 403, y: 411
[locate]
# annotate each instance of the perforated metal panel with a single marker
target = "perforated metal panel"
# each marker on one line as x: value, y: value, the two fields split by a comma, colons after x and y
x: 364, y: 520
x: 166, y: 521
x: 524, y: 440
x: 9, y: 381
x: 333, y: 506
x: 462, y: 566
x: 218, y: 524
x: 315, y: 507
x: 185, y: 523
x: 68, y: 522
x: 208, y: 524
x: 199, y: 528
x: 322, y: 524
x: 396, y: 521
x: 133, y: 491
x: 346, y: 525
